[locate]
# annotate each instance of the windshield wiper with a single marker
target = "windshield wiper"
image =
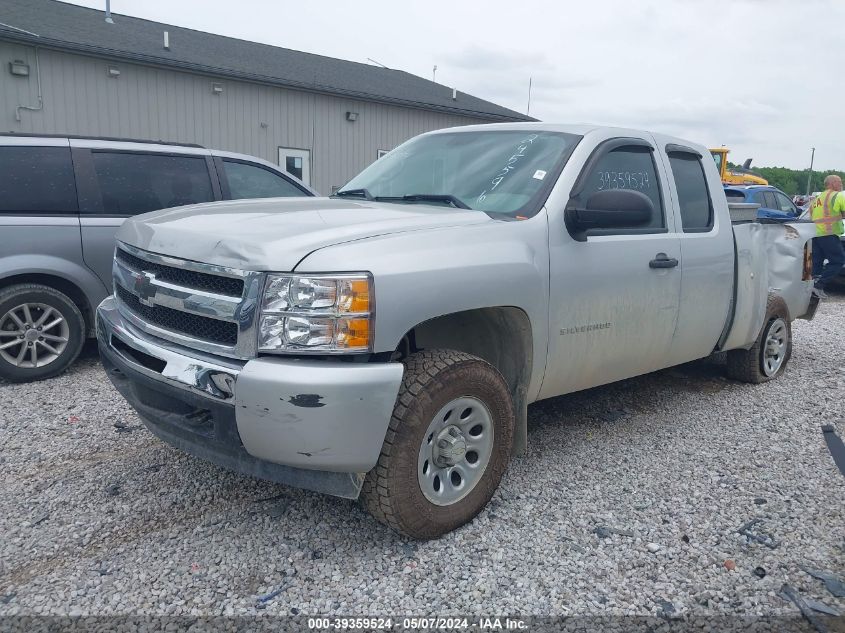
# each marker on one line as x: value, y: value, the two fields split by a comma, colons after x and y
x: 426, y: 197
x: 363, y: 193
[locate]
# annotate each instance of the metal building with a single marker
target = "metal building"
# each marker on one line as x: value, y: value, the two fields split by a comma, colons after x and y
x: 67, y: 70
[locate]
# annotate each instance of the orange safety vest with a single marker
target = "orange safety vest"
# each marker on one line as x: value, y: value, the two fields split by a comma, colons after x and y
x: 826, y: 212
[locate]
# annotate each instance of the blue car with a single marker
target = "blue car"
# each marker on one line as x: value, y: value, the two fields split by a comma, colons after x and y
x: 774, y: 203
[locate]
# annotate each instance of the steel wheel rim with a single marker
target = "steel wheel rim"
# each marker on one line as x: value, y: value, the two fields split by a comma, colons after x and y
x: 33, y: 335
x: 455, y: 451
x: 774, y: 351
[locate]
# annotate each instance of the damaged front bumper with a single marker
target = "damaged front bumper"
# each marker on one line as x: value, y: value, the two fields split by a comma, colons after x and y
x: 305, y: 423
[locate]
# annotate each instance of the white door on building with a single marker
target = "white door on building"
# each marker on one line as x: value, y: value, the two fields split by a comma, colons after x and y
x: 297, y: 162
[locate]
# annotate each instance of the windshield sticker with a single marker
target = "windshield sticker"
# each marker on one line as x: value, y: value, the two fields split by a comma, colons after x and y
x: 539, y: 174
x: 510, y: 165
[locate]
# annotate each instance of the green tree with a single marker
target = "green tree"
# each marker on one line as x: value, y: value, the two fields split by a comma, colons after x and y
x: 793, y: 181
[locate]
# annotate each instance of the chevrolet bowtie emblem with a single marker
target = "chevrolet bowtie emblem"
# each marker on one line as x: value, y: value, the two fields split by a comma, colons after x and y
x: 144, y: 288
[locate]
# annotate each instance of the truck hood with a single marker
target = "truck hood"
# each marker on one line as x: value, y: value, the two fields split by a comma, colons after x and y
x: 276, y: 233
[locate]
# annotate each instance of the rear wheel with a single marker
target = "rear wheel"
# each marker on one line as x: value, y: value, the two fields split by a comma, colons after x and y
x: 448, y: 445
x: 770, y: 353
x: 41, y: 332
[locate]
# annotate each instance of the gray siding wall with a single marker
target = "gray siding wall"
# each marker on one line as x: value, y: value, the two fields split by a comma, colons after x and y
x: 147, y: 102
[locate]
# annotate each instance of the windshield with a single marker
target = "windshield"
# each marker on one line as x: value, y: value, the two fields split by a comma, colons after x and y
x: 507, y: 172
x: 718, y: 158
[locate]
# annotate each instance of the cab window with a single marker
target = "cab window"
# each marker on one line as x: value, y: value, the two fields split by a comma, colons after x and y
x: 693, y: 195
x: 627, y: 167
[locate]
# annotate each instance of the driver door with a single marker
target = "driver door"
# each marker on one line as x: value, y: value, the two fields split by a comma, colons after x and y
x: 612, y: 310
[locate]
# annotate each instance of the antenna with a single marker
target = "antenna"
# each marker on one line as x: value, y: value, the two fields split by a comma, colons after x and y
x: 528, y: 109
x: 108, y: 12
x: 369, y: 59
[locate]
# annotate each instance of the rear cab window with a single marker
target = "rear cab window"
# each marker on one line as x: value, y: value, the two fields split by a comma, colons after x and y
x: 693, y: 195
x: 138, y: 182
x: 37, y: 181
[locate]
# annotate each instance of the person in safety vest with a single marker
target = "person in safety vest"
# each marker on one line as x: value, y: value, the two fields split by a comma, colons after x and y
x: 827, y: 210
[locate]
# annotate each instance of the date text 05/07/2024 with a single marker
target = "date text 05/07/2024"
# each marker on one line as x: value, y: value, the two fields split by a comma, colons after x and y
x: 418, y: 624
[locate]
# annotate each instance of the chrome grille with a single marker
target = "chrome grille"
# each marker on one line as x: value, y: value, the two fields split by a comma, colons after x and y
x: 221, y: 332
x: 206, y: 307
x: 189, y: 278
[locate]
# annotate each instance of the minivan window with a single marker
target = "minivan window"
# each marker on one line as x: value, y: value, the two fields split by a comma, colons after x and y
x: 37, y: 180
x: 693, y: 197
x: 253, y: 181
x: 132, y: 183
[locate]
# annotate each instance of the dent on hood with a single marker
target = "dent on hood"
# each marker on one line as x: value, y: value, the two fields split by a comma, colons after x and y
x: 144, y: 234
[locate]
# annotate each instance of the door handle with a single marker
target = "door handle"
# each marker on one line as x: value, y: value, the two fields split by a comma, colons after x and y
x: 661, y: 260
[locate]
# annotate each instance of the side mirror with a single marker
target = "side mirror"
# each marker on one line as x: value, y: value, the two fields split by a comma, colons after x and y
x: 611, y: 209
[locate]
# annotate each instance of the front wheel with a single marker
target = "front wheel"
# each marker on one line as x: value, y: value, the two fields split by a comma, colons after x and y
x: 770, y: 353
x: 447, y: 447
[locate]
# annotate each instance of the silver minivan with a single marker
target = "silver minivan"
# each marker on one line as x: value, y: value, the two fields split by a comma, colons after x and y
x: 61, y: 201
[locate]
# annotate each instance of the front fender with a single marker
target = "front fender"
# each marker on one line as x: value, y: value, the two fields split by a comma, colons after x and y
x: 421, y: 275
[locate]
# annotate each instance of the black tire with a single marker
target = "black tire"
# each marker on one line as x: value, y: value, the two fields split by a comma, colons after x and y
x: 748, y: 365
x: 20, y: 294
x: 391, y: 491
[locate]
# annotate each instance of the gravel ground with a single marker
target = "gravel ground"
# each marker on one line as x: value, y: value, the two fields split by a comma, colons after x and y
x: 628, y: 501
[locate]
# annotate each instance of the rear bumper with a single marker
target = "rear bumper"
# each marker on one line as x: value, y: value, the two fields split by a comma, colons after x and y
x: 310, y: 424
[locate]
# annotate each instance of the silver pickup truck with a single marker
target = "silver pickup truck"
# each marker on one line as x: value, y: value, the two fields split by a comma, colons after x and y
x: 386, y: 342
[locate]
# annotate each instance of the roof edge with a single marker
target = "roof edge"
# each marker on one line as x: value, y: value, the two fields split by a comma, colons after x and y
x: 90, y: 49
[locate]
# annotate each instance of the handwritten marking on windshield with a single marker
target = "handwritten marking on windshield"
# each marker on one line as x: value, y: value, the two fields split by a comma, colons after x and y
x: 524, y: 144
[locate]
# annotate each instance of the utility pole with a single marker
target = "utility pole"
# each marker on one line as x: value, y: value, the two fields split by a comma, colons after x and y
x: 434, y: 73
x: 528, y: 109
x: 810, y: 175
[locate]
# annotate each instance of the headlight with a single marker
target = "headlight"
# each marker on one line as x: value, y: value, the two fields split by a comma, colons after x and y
x: 316, y: 313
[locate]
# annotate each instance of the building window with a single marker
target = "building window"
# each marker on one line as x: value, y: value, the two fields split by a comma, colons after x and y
x: 296, y: 162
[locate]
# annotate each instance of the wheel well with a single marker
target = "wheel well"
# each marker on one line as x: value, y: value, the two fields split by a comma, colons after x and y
x: 62, y: 285
x: 501, y: 336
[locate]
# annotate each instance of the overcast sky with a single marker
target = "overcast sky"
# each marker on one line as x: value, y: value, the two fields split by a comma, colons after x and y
x: 754, y: 75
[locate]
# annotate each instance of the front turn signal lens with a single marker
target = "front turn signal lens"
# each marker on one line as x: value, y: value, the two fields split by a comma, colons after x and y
x: 353, y: 334
x: 354, y: 296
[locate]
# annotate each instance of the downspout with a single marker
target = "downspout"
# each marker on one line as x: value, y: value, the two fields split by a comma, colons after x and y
x: 40, y: 105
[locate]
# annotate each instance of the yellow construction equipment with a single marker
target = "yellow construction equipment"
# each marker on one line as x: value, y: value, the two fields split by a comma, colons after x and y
x: 735, y: 175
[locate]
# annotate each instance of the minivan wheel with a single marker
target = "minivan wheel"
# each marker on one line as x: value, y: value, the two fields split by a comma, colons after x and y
x: 448, y: 444
x: 41, y: 332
